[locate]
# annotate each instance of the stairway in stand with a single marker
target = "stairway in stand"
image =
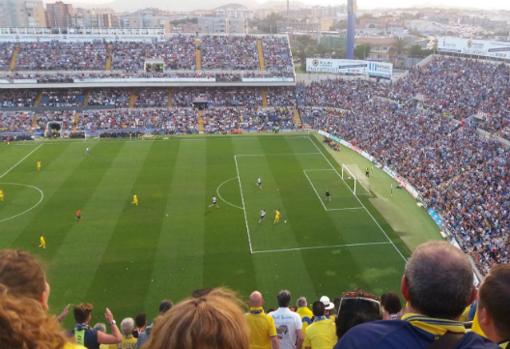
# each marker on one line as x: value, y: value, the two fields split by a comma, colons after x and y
x: 260, y: 50
x: 297, y: 118
x: 201, y: 127
x: 76, y: 121
x: 109, y: 57
x: 263, y: 94
x: 133, y: 97
x: 198, y: 55
x: 170, y: 102
x: 14, y: 59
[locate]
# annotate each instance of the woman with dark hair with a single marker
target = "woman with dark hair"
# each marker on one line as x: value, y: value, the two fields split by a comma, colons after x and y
x: 356, y: 308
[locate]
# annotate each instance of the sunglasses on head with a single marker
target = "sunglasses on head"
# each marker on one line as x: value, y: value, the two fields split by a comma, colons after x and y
x: 357, y: 297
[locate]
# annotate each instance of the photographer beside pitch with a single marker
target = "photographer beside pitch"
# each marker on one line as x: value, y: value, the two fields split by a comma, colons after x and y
x: 437, y: 285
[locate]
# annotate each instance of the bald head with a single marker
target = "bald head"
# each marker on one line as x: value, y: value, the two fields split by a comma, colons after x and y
x: 256, y: 299
x: 438, y: 280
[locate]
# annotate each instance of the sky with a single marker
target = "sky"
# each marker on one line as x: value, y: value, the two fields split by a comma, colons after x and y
x: 362, y: 4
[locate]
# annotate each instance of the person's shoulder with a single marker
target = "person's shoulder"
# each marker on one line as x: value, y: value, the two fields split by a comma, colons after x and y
x: 375, y: 334
x: 69, y: 345
x: 474, y: 341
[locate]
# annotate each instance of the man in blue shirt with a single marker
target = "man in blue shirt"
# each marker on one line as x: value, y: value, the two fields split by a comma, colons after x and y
x: 437, y: 285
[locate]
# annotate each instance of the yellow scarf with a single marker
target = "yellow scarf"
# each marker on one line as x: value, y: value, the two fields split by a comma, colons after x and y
x: 437, y: 327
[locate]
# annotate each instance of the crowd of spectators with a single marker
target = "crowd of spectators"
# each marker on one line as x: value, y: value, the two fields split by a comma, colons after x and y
x: 220, y: 55
x: 236, y: 120
x: 217, y: 317
x: 6, y: 51
x: 55, y: 55
x: 17, y: 98
x: 62, y: 98
x: 109, y: 98
x: 463, y: 88
x: 177, y: 52
x: 229, y: 52
x: 277, y: 55
x: 218, y: 97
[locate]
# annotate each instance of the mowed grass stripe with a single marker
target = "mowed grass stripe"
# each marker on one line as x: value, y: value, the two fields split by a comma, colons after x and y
x: 178, y: 264
x: 227, y: 260
x: 127, y: 262
x: 23, y: 231
x: 311, y: 225
x: 59, y: 208
x: 271, y: 272
x: 10, y: 155
x: 77, y: 260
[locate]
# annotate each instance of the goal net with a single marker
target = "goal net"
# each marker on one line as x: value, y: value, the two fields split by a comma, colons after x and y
x: 350, y: 179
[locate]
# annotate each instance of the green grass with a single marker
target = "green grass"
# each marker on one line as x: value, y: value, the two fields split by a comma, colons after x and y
x: 129, y: 258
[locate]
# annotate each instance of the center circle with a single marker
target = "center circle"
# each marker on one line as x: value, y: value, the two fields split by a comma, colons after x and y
x: 17, y: 200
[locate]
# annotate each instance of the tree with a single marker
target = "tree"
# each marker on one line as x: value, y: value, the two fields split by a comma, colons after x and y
x: 362, y: 51
x: 417, y: 51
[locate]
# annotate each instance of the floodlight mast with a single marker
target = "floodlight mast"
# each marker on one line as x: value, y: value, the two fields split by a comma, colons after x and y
x: 351, y: 29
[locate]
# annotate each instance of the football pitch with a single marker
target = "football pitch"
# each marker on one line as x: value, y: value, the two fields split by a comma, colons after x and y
x: 129, y: 258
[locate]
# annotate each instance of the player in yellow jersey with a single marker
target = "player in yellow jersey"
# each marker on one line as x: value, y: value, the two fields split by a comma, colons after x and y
x: 38, y: 165
x: 42, y: 242
x: 135, y: 200
x: 277, y: 216
x: 2, y: 197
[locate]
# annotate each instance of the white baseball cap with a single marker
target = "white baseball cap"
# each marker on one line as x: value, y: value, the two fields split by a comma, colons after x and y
x: 327, y: 303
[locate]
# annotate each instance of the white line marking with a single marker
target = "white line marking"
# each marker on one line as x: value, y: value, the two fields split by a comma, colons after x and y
x: 244, y: 205
x: 19, y: 162
x: 315, y: 190
x: 297, y: 249
x: 346, y: 209
x: 41, y: 193
x: 279, y: 154
x: 221, y: 198
x: 357, y: 198
x: 320, y: 198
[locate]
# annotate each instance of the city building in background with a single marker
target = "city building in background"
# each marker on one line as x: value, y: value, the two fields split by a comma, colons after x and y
x: 22, y: 13
x: 59, y: 15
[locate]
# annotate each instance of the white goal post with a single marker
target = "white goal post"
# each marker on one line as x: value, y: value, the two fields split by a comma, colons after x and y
x: 347, y: 174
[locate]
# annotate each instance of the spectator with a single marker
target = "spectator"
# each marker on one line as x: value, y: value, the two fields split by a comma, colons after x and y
x: 288, y: 324
x: 438, y: 285
x: 329, y: 307
x: 494, y: 305
x: 321, y: 333
x: 24, y: 323
x: 164, y: 306
x: 140, y: 324
x: 356, y: 308
x: 211, y: 321
x: 391, y: 306
x: 90, y: 337
x: 262, y: 328
x: 127, y: 326
x: 305, y: 312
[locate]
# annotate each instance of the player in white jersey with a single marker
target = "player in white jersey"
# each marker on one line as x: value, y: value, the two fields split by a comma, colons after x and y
x: 259, y: 183
x: 262, y: 215
x: 214, y: 202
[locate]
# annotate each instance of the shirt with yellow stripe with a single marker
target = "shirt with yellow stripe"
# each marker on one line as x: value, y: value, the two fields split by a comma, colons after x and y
x: 321, y: 334
x: 262, y: 328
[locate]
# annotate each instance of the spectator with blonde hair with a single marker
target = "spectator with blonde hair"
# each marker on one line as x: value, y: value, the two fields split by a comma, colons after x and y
x: 210, y: 320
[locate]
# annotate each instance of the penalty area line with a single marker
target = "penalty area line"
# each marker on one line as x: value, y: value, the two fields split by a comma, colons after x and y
x: 297, y: 249
x: 19, y: 162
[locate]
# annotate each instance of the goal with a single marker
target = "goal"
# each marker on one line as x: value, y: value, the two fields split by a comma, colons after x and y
x: 349, y: 178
